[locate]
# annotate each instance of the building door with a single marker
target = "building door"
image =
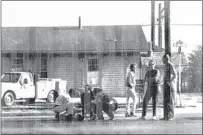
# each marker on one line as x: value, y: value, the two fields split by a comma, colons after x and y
x: 79, y: 78
x: 93, y: 74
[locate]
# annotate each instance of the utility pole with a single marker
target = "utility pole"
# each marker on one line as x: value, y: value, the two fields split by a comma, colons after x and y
x: 167, y: 28
x: 152, y: 23
x: 179, y: 44
x: 159, y: 24
x: 179, y: 75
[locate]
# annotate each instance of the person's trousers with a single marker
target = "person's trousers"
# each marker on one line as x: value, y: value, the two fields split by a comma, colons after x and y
x: 151, y: 92
x: 89, y: 109
x: 131, y: 94
x: 169, y: 95
x: 102, y: 106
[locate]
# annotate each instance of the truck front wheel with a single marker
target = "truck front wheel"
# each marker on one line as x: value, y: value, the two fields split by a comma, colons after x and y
x: 51, y: 97
x: 8, y: 99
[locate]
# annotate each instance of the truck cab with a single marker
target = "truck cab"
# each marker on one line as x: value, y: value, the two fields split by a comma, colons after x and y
x: 16, y: 85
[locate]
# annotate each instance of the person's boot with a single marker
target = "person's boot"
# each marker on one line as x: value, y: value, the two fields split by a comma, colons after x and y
x: 57, y: 116
x: 132, y: 114
x: 155, y: 118
x: 127, y: 115
x: 111, y: 117
x: 163, y: 118
x: 69, y: 117
x: 93, y: 117
x: 171, y: 118
x: 143, y: 118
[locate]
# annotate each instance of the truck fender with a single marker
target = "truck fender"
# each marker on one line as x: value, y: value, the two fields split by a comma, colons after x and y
x: 11, y: 92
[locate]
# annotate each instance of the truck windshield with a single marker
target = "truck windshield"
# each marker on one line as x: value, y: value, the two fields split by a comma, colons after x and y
x: 10, y: 77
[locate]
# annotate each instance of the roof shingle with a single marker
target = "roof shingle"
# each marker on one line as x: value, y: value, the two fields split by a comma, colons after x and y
x: 67, y: 39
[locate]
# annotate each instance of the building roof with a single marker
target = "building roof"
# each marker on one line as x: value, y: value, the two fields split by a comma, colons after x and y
x: 70, y: 39
x: 157, y: 56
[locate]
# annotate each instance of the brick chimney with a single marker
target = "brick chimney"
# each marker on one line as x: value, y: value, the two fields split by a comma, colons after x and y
x: 79, y: 23
x: 150, y: 49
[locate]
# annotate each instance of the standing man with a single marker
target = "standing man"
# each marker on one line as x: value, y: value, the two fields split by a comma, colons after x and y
x: 151, y: 82
x: 88, y: 108
x: 131, y: 92
x: 169, y: 88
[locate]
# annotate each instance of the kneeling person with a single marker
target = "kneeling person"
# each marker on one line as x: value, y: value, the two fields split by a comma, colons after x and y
x: 65, y: 108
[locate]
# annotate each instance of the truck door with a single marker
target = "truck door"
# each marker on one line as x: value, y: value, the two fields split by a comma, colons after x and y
x: 28, y: 87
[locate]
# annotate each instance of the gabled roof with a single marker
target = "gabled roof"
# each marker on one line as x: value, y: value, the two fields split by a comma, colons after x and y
x: 67, y: 39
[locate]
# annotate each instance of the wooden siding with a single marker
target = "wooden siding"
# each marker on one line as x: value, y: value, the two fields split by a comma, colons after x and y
x: 62, y: 67
x: 28, y: 63
x: 80, y: 73
x: 113, y: 75
x: 5, y: 64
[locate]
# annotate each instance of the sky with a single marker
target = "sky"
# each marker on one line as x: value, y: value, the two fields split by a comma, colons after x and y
x: 65, y: 13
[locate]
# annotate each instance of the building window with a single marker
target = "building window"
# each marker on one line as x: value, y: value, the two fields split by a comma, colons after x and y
x: 43, y: 71
x: 93, y: 65
x: 18, y: 62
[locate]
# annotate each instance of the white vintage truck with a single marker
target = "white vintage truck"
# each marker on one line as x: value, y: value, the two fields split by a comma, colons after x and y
x: 20, y: 85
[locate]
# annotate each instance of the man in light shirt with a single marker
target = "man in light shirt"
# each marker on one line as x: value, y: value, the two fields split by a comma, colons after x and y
x: 131, y: 92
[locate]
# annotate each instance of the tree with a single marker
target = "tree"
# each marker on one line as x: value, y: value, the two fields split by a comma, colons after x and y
x: 195, y: 69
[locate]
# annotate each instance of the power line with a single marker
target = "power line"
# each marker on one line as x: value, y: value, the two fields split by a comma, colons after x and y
x: 175, y: 24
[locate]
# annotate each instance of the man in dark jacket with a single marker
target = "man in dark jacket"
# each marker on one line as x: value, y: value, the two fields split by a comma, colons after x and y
x: 105, y: 103
x: 88, y: 107
x: 152, y: 89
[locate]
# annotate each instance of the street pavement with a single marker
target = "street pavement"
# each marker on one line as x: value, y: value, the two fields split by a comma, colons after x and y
x: 186, y: 122
x: 41, y: 121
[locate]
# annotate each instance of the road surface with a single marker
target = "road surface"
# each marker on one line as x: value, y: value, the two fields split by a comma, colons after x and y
x: 188, y: 121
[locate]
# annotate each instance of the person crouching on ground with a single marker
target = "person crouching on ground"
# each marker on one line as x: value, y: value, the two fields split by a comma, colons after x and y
x: 64, y: 105
x: 104, y: 103
x: 152, y: 88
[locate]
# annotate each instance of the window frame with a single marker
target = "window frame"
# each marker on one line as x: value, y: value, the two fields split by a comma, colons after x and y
x: 93, y: 65
x: 18, y: 61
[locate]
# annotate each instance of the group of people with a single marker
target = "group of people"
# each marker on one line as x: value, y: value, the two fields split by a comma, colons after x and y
x: 95, y: 102
x: 151, y: 89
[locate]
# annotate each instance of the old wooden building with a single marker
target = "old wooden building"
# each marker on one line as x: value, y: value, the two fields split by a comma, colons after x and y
x: 96, y: 55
